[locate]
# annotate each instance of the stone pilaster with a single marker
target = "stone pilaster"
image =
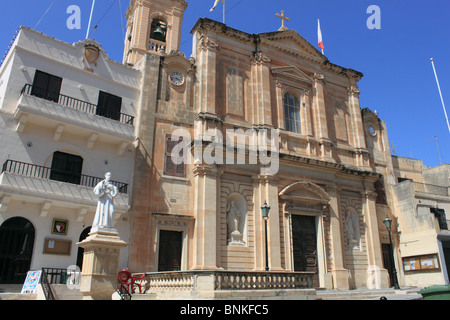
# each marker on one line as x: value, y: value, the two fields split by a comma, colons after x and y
x: 319, y: 112
x: 339, y: 273
x: 373, y: 237
x: 266, y: 189
x: 207, y: 59
x: 260, y: 83
x: 206, y: 217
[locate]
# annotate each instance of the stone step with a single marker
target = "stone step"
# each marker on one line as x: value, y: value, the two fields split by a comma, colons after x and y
x: 389, y: 294
x: 144, y: 296
x: 11, y: 288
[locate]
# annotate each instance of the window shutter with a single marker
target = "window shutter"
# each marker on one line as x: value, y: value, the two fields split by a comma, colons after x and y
x: 171, y: 168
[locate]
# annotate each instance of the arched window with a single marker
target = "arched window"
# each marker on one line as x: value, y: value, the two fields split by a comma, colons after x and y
x: 292, y: 113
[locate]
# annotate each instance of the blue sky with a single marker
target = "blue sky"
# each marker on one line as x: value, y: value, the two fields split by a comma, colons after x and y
x: 398, y: 80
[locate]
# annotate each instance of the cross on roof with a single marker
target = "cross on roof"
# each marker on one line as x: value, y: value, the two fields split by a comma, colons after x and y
x: 283, y: 18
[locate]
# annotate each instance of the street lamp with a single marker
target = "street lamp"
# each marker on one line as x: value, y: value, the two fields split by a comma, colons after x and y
x: 388, y: 224
x: 265, y: 213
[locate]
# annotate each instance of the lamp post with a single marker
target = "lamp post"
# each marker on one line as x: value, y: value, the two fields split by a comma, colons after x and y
x: 265, y: 213
x: 388, y: 224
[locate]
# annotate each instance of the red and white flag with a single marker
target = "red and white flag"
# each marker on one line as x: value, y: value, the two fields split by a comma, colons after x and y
x: 319, y: 35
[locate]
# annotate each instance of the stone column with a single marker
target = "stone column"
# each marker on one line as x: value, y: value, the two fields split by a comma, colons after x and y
x: 205, y: 209
x: 339, y: 273
x: 100, y: 264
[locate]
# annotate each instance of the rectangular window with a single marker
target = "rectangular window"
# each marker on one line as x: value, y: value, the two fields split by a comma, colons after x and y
x: 171, y: 168
x: 46, y: 86
x: 109, y: 105
x: 66, y: 167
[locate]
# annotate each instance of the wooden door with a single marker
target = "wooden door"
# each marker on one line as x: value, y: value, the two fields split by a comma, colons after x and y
x: 170, y: 245
x: 304, y: 242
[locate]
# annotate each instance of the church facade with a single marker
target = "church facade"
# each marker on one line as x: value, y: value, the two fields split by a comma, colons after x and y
x: 326, y: 197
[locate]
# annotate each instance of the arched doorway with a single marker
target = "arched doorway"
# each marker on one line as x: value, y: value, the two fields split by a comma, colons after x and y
x: 16, y: 249
x: 80, y: 253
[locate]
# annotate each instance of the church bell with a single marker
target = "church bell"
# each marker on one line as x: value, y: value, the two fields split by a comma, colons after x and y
x: 159, y: 33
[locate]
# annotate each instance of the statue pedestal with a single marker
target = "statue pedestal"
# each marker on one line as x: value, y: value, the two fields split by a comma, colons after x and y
x: 236, y: 239
x: 100, y: 264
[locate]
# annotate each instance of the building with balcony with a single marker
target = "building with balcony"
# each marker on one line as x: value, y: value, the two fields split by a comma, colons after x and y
x: 422, y: 204
x: 67, y: 116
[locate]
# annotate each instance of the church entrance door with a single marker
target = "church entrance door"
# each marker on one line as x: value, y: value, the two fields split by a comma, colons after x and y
x: 170, y: 245
x: 304, y: 242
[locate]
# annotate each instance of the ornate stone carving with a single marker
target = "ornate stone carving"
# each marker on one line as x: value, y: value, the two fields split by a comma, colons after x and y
x: 207, y: 43
x: 353, y: 90
x: 259, y: 58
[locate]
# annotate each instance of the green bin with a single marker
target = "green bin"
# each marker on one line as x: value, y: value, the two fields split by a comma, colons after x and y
x: 436, y: 293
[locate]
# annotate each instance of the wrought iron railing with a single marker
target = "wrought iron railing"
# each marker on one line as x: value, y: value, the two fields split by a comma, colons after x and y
x: 36, y: 171
x: 71, y: 102
x: 51, y: 276
x: 123, y: 291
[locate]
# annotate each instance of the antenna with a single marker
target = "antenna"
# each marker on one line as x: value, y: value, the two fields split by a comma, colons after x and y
x: 437, y: 145
x: 90, y: 19
x: 440, y: 93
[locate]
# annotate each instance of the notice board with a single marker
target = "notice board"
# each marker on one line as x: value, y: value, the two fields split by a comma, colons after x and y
x: 57, y: 246
x: 420, y: 263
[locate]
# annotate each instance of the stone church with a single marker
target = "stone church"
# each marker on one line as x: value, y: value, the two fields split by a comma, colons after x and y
x: 327, y: 197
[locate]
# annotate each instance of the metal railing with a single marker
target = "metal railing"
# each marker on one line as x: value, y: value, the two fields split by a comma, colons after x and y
x: 57, y: 276
x: 36, y: 171
x: 71, y: 102
x: 123, y: 291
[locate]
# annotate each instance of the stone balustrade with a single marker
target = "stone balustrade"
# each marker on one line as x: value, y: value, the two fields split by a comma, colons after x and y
x: 224, y: 280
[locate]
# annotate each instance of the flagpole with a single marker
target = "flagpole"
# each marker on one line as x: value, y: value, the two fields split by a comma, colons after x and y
x: 223, y: 2
x: 90, y: 19
x: 440, y: 93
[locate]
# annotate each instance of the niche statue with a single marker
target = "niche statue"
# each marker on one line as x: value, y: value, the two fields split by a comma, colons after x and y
x: 233, y: 222
x: 104, y: 216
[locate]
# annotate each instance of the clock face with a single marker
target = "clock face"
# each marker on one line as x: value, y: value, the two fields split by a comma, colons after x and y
x: 176, y: 78
x: 372, y: 130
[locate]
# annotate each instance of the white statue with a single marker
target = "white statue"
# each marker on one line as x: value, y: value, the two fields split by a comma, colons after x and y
x: 233, y: 222
x: 104, y: 216
x: 352, y: 228
x: 233, y: 218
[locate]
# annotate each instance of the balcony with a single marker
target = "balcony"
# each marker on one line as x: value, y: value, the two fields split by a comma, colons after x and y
x: 35, y: 171
x: 34, y: 183
x: 73, y: 116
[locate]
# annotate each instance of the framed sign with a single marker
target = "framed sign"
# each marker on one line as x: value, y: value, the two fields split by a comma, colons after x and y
x: 421, y: 263
x: 60, y: 227
x: 31, y: 282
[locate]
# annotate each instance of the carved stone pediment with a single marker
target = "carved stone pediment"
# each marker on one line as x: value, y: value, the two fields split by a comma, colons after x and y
x: 291, y: 42
x: 292, y: 73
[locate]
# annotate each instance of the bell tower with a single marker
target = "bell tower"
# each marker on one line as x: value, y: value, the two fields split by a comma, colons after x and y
x: 153, y: 26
